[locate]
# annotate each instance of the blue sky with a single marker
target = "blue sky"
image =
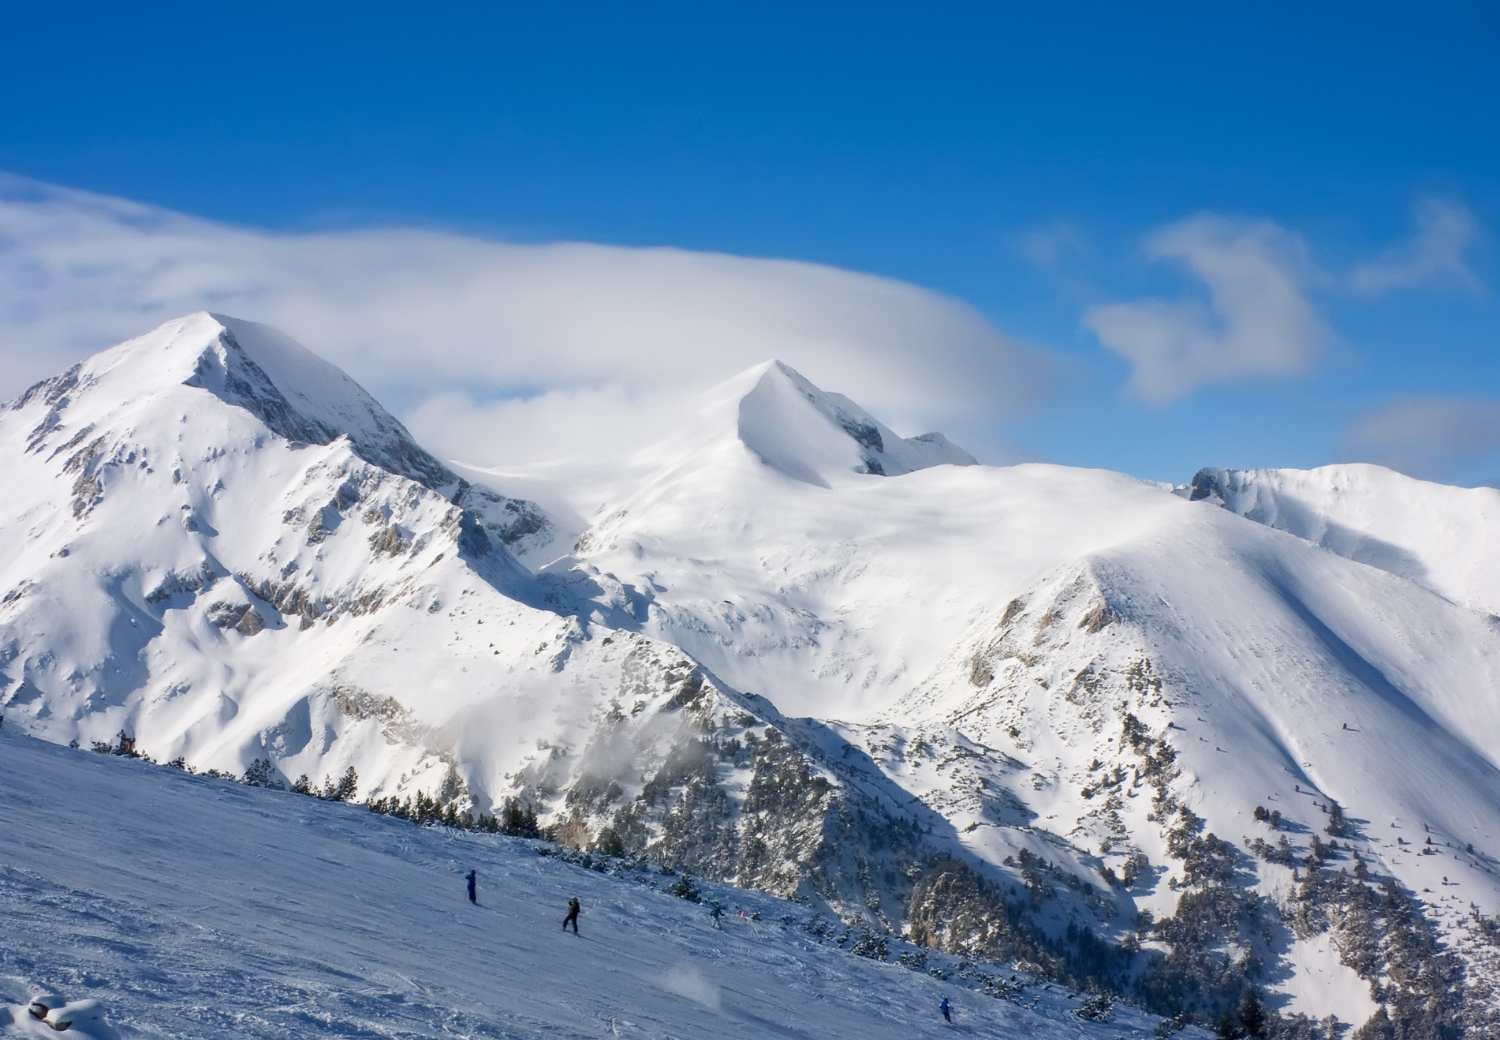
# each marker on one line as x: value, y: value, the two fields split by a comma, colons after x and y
x: 1027, y: 164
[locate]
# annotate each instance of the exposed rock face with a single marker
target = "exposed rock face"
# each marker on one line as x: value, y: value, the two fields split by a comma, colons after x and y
x: 1207, y: 484
x: 241, y: 617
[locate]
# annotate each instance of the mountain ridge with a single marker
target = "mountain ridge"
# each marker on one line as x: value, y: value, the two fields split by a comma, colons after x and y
x: 1377, y: 516
x: 828, y: 662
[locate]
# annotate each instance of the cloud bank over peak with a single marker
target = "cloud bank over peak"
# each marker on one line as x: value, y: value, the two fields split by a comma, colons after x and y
x: 503, y: 353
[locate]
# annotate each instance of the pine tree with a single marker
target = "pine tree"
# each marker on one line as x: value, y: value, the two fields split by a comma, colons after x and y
x: 1379, y: 1027
x: 261, y: 774
x: 608, y: 842
x: 348, y: 785
x: 452, y: 787
x: 519, y: 821
x: 1252, y: 1016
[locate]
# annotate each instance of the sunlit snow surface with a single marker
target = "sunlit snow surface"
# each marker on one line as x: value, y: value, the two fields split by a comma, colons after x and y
x: 192, y: 907
x: 1330, y: 643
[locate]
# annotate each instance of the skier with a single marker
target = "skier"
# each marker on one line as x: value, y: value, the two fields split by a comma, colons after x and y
x: 473, y: 879
x: 945, y: 1008
x: 572, y: 917
x: 717, y: 912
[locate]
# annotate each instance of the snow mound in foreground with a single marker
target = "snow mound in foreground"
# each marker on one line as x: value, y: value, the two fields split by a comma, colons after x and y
x: 30, y: 1012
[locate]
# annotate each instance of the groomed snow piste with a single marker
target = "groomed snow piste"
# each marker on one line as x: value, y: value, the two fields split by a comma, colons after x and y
x: 192, y: 907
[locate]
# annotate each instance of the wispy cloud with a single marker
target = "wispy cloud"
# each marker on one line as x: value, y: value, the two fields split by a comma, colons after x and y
x: 1434, y: 437
x: 1050, y: 247
x: 1253, y: 320
x: 504, y: 353
x: 1436, y: 255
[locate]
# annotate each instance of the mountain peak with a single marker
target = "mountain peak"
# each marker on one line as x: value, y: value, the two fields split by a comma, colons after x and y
x: 811, y: 434
x: 295, y: 393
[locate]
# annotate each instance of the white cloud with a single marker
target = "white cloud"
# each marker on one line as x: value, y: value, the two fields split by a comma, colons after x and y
x: 1436, y: 254
x: 1430, y: 436
x: 1255, y: 321
x: 503, y: 353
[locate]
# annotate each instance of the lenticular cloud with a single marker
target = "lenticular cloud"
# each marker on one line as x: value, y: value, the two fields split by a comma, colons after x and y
x: 508, y: 339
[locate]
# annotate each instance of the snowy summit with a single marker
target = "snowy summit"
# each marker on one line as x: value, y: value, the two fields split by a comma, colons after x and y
x: 1046, y: 735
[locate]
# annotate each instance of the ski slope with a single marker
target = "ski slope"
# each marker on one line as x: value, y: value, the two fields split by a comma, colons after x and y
x: 192, y: 907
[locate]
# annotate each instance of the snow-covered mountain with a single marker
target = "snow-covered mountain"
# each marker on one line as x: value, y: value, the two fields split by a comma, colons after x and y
x: 1053, y: 716
x: 1438, y: 536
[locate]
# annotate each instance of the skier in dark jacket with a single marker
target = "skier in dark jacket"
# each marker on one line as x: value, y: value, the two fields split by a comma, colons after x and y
x: 572, y: 917
x: 473, y: 879
x: 945, y: 1008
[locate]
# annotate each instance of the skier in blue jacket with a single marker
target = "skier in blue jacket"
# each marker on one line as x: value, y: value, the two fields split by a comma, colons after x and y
x: 472, y: 878
x: 945, y: 1008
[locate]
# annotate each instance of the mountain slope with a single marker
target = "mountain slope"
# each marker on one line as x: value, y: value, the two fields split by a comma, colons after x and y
x: 1044, y: 716
x: 192, y: 907
x: 196, y: 575
x: 1438, y: 536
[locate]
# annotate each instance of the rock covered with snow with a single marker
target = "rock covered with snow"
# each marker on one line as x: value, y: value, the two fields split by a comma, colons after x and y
x: 1044, y: 715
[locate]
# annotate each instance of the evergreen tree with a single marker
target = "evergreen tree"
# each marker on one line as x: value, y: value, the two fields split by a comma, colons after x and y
x: 1379, y: 1027
x: 1252, y: 1016
x: 1228, y: 1027
x: 452, y: 788
x: 347, y: 786
x: 519, y: 821
x: 608, y: 843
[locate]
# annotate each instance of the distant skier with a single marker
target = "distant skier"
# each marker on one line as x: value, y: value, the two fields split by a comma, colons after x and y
x: 473, y: 879
x: 717, y: 913
x: 946, y: 1008
x: 572, y: 917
